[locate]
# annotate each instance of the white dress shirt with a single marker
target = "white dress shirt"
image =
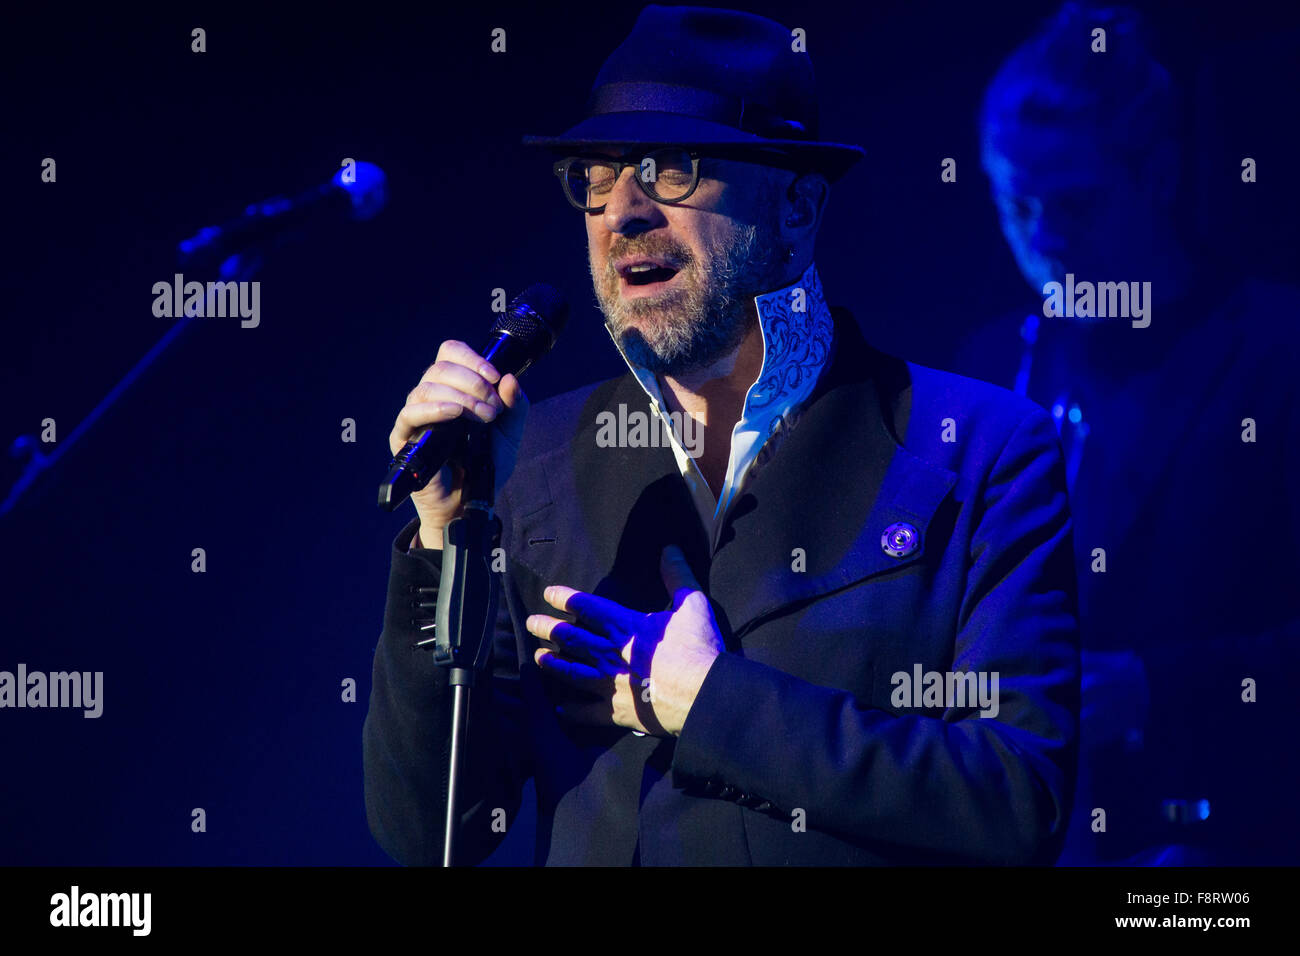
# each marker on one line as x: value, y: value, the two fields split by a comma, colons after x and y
x: 797, y: 334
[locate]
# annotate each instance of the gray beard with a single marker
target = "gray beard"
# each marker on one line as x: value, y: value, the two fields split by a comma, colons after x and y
x: 703, y: 322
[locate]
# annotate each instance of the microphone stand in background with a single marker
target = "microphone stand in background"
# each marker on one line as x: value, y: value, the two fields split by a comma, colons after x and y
x: 237, y: 268
x: 240, y: 246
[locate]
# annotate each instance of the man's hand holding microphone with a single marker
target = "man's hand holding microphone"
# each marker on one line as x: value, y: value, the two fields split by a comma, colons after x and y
x: 460, y: 383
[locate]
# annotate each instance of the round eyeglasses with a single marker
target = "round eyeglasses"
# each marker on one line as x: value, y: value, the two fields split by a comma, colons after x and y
x: 667, y: 175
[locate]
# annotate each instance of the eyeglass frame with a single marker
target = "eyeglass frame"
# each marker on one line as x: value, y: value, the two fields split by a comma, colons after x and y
x: 561, y: 170
x: 780, y: 160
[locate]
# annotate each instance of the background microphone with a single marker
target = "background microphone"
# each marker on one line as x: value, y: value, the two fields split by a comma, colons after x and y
x: 520, y: 337
x: 355, y: 193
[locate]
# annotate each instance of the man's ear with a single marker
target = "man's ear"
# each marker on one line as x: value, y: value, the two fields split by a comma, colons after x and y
x: 807, y: 196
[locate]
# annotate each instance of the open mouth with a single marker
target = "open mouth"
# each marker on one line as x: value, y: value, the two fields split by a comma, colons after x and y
x: 646, y: 272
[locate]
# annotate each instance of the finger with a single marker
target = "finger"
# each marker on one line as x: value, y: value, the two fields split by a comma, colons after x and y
x: 541, y: 626
x: 575, y: 641
x: 454, y: 350
x: 575, y: 673
x: 512, y: 392
x: 677, y: 575
x: 431, y: 392
x: 414, y: 417
x: 461, y: 378
x: 592, y: 609
x: 510, y: 424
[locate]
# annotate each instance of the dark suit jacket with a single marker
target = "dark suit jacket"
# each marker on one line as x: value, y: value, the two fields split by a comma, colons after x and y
x: 793, y: 752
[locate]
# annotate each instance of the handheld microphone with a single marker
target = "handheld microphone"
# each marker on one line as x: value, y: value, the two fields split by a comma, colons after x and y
x: 519, y: 337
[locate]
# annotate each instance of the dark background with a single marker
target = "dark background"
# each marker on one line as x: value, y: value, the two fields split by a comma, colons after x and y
x: 222, y: 689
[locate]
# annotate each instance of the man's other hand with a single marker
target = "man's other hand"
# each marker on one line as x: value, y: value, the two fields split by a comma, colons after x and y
x: 640, y: 671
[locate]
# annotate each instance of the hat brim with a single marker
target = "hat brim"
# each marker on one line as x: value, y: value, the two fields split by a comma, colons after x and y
x: 832, y: 160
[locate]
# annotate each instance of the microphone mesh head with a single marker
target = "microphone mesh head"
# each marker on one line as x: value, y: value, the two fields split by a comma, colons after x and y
x: 536, y: 316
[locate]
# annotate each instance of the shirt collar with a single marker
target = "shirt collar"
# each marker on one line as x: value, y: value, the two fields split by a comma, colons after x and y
x: 797, y: 338
x: 797, y: 330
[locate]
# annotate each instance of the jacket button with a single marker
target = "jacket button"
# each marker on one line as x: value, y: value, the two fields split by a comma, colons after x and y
x: 900, y: 539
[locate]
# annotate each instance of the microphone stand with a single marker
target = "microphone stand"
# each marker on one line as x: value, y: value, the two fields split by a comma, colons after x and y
x: 237, y: 268
x: 467, y: 606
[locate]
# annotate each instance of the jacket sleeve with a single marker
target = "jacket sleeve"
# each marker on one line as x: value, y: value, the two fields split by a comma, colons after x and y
x: 406, y: 739
x: 959, y: 787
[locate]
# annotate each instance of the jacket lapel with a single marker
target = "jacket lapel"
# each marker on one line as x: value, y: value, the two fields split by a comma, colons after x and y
x: 597, y: 518
x: 812, y: 520
x: 808, y: 523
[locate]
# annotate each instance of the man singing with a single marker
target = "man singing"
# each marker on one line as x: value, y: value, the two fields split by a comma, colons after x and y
x: 839, y: 629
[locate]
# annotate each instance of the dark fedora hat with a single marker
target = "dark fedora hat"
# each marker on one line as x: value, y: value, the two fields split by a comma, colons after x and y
x: 696, y: 76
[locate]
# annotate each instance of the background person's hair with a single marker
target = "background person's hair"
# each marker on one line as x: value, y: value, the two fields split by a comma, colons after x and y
x: 1054, y: 80
x: 1137, y: 112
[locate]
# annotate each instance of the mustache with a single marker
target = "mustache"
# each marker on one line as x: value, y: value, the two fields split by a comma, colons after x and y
x: 658, y: 247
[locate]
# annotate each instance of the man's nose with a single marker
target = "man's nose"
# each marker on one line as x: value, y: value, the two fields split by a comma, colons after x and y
x: 628, y: 209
